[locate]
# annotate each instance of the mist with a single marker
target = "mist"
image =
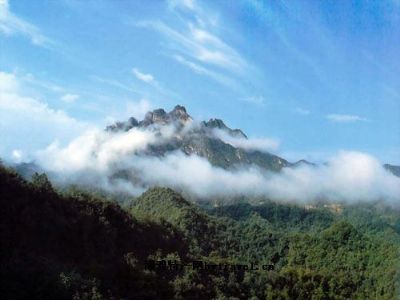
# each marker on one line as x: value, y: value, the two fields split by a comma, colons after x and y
x: 97, y: 157
x: 251, y: 143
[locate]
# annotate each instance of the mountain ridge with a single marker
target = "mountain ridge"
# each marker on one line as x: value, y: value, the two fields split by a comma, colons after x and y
x: 199, y: 139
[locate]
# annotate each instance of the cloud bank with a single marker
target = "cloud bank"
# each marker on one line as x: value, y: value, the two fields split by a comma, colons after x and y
x: 119, y: 162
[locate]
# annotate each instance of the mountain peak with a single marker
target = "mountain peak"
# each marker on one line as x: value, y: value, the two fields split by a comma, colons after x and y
x: 124, y: 126
x: 158, y: 116
x: 219, y: 124
x: 216, y: 123
x: 179, y: 108
x: 179, y: 113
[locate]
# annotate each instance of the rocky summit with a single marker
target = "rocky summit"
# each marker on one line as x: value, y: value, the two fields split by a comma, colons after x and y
x: 177, y: 116
x: 199, y: 138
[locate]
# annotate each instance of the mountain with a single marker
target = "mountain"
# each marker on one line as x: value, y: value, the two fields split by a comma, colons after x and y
x: 205, y: 140
x: 75, y: 245
x: 221, y: 145
x: 200, y: 139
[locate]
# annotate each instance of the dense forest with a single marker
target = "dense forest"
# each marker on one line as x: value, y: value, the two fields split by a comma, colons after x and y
x: 71, y: 244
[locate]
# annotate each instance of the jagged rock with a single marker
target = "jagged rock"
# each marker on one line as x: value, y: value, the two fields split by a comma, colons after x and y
x: 158, y: 116
x: 219, y: 124
x: 201, y: 141
x: 123, y: 126
x: 179, y: 113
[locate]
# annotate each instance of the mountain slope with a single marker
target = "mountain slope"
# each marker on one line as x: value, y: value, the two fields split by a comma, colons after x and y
x: 164, y: 204
x: 60, y: 247
x: 77, y: 246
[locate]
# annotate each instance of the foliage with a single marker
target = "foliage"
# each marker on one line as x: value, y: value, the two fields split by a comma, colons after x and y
x: 77, y: 245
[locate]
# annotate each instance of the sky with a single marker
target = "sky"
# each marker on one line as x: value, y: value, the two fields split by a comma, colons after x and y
x: 317, y: 76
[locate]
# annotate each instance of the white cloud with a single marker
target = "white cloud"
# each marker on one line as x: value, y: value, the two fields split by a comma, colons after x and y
x: 17, y: 155
x: 138, y: 109
x: 70, y: 98
x: 344, y: 118
x: 8, y: 82
x: 27, y: 123
x: 142, y: 76
x: 351, y: 176
x: 95, y: 150
x: 11, y: 24
x: 95, y: 156
x: 201, y: 45
x: 260, y: 144
x: 198, y: 44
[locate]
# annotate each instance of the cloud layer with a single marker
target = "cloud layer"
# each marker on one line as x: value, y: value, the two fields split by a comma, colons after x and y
x: 118, y: 162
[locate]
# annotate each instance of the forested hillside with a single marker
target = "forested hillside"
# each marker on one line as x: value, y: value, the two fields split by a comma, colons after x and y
x: 75, y: 245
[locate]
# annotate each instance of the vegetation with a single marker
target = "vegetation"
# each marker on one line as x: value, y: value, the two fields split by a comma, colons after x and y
x: 76, y: 245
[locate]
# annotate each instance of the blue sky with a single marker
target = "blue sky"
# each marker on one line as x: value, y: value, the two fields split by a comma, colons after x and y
x: 319, y: 76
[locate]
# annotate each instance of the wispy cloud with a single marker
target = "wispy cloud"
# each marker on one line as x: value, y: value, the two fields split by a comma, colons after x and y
x: 138, y: 109
x: 345, y: 118
x: 70, y: 98
x: 259, y: 100
x: 200, y: 45
x: 149, y: 79
x: 143, y: 76
x: 11, y: 24
x: 27, y: 123
x: 46, y: 84
x: 206, y: 72
x: 189, y: 4
x: 192, y: 35
x: 153, y: 89
x: 115, y: 83
x: 197, y: 38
